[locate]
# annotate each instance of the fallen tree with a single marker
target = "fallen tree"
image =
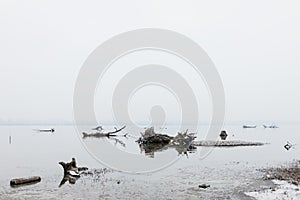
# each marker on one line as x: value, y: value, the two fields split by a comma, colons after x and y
x: 151, y: 142
x: 104, y: 134
x: 151, y: 137
x: 223, y: 143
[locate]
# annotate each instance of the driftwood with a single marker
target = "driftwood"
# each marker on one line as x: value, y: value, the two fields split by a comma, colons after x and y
x: 71, y: 172
x: 151, y: 142
x: 288, y: 172
x: 72, y: 166
x: 104, y: 134
x: 68, y: 178
x: 150, y: 137
x: 223, y: 143
x: 22, y: 181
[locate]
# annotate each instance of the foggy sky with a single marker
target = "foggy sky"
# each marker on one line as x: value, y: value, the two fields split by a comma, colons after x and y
x: 255, y: 46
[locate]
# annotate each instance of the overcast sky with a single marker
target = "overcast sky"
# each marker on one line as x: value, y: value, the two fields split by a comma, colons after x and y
x: 255, y: 46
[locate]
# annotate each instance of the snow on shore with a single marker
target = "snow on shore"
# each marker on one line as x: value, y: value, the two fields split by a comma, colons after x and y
x: 283, y: 191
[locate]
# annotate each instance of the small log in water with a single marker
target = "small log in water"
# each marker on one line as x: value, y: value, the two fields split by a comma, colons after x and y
x: 21, y: 181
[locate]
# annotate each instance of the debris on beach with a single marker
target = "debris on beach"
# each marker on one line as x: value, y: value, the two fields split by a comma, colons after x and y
x: 283, y: 190
x: 223, y: 135
x: 97, y: 174
x: 71, y: 172
x: 287, y: 183
x: 289, y: 173
x: 25, y: 181
x: 204, y: 186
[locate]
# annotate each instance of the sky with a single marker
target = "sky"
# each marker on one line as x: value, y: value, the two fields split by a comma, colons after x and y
x: 254, y: 45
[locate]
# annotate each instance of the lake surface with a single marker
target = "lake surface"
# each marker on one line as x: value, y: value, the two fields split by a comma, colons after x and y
x: 229, y: 171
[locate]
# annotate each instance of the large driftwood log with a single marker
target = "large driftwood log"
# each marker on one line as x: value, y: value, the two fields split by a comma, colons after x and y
x: 223, y: 143
x: 21, y: 181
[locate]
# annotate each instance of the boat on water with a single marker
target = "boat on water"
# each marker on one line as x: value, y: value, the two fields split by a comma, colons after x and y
x: 52, y: 130
x: 271, y: 126
x: 249, y: 126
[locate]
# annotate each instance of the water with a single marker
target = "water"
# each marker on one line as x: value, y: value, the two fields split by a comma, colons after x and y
x: 229, y: 171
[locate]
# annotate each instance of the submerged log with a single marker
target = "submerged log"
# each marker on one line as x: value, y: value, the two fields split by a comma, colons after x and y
x: 21, y: 181
x: 223, y: 143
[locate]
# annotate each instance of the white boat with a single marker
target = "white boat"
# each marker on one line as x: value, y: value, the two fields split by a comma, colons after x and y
x: 249, y: 126
x: 272, y: 126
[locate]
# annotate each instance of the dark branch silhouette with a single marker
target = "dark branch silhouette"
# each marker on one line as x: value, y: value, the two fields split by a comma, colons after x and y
x: 104, y: 134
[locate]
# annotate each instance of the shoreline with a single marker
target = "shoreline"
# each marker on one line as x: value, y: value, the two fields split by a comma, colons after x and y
x: 286, y: 180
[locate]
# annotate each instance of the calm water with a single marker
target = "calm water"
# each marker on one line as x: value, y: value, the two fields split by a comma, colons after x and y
x: 229, y: 171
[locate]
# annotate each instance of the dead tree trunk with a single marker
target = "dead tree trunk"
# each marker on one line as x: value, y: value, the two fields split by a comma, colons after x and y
x: 21, y: 181
x: 104, y: 134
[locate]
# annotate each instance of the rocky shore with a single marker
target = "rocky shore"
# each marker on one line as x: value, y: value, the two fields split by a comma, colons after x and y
x: 289, y: 173
x: 286, y: 179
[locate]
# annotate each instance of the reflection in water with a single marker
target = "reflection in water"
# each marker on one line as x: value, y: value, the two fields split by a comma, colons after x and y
x: 112, y: 138
x: 182, y: 149
x: 152, y: 142
x: 111, y: 135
